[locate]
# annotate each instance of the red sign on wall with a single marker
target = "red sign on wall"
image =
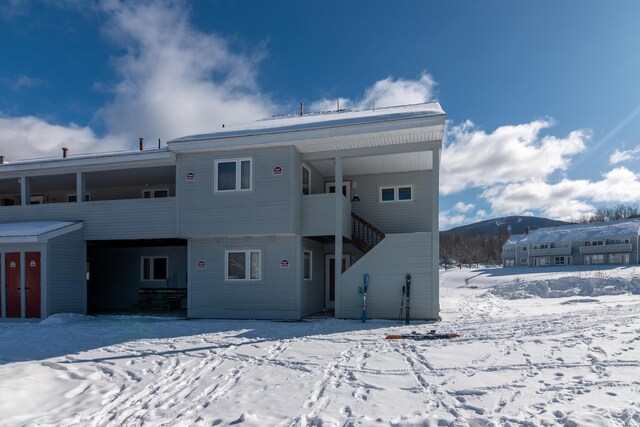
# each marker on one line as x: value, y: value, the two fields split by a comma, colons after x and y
x: 277, y: 170
x: 284, y: 263
x: 201, y: 265
x: 190, y: 176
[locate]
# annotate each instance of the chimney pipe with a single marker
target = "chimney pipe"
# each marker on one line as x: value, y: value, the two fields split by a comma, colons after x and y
x: 158, y: 143
x: 64, y: 152
x: 527, y: 229
x: 141, y: 143
x: 302, y: 108
x: 1, y: 160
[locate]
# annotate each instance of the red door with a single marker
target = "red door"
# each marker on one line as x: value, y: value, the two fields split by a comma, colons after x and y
x: 12, y: 268
x: 32, y: 285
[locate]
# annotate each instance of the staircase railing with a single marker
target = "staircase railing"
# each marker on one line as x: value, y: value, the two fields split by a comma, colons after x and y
x: 364, y: 235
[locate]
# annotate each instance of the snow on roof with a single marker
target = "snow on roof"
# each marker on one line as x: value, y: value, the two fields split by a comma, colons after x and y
x: 30, y: 231
x: 105, y: 154
x: 513, y: 239
x: 577, y: 232
x: 320, y: 120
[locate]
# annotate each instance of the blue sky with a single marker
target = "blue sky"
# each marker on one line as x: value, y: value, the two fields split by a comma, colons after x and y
x: 542, y: 98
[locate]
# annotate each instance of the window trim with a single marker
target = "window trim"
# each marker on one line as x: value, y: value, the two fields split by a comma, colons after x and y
x: 308, y: 169
x: 304, y: 252
x: 152, y: 269
x: 87, y: 197
x: 247, y: 265
x: 238, y: 187
x: 396, y: 193
x: 153, y: 191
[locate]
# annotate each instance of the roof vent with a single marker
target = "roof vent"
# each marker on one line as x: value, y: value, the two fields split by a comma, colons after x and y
x: 302, y: 108
x: 141, y: 143
x: 1, y: 160
x: 64, y: 152
x: 527, y: 229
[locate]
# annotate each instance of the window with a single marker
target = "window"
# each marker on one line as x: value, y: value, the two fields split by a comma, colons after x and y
x: 560, y: 260
x: 153, y: 194
x: 232, y: 175
x: 594, y: 243
x: 523, y: 261
x: 306, y: 275
x: 617, y: 241
x: 243, y: 265
x: 74, y: 198
x: 155, y: 268
x: 524, y: 249
x: 398, y: 193
x: 330, y: 187
x: 618, y: 258
x: 594, y: 259
x: 306, y: 180
x: 509, y: 263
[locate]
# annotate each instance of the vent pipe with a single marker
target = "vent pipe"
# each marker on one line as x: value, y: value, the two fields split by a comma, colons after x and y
x: 1, y: 160
x: 527, y: 229
x: 158, y: 143
x: 302, y: 108
x: 141, y: 143
x: 64, y: 152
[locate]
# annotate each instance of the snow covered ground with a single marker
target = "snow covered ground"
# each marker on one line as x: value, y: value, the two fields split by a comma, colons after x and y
x: 571, y: 358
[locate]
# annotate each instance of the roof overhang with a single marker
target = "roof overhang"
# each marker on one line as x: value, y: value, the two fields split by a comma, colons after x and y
x: 88, y: 162
x: 36, y: 231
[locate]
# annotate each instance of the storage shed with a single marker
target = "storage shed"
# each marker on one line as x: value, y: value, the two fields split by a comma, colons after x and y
x: 42, y: 269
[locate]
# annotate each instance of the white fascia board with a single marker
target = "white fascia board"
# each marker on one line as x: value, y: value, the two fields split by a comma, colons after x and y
x: 106, y: 161
x: 43, y: 238
x: 308, y: 136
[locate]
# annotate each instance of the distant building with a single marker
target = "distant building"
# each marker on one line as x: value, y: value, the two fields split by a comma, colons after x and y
x: 244, y: 222
x: 613, y: 242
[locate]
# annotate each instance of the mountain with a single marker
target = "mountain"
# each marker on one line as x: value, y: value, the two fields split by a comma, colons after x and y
x: 509, y: 224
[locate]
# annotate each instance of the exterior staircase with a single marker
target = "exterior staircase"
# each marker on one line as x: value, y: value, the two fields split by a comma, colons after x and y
x: 364, y: 236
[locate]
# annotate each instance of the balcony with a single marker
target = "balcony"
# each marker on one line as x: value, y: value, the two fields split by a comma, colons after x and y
x: 550, y: 251
x: 107, y: 219
x: 319, y: 218
x: 508, y: 255
x: 601, y: 249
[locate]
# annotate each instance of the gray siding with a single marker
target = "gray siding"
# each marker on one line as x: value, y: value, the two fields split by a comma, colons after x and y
x: 318, y: 215
x: 387, y: 265
x: 395, y: 217
x: 262, y: 210
x: 67, y: 274
x: 116, y: 274
x: 312, y: 291
x: 105, y: 220
x: 274, y: 296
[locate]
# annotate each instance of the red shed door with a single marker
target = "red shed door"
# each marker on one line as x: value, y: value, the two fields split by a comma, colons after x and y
x: 32, y: 285
x: 12, y: 267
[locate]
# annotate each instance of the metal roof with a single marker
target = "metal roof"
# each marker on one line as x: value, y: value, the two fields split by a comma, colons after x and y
x: 36, y: 231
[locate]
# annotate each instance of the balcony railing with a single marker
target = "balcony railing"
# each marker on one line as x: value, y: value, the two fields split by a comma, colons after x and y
x: 600, y: 249
x: 550, y: 251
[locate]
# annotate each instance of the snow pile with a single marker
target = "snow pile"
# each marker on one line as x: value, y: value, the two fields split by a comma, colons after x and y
x: 61, y: 318
x: 567, y: 287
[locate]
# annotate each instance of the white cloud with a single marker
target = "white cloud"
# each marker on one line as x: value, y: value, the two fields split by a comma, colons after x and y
x: 567, y: 198
x: 448, y: 221
x: 176, y: 80
x: 512, y: 153
x: 462, y: 207
x: 384, y: 93
x: 26, y: 82
x: 620, y: 156
x: 33, y: 137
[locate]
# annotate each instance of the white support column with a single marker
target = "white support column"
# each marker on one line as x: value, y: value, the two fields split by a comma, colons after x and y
x: 435, y: 234
x: 25, y: 190
x: 338, y: 237
x: 81, y: 187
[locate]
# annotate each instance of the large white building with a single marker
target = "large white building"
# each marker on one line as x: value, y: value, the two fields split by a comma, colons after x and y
x: 613, y: 242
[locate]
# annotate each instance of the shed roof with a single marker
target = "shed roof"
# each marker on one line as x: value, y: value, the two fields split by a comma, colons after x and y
x: 36, y: 231
x: 577, y: 232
